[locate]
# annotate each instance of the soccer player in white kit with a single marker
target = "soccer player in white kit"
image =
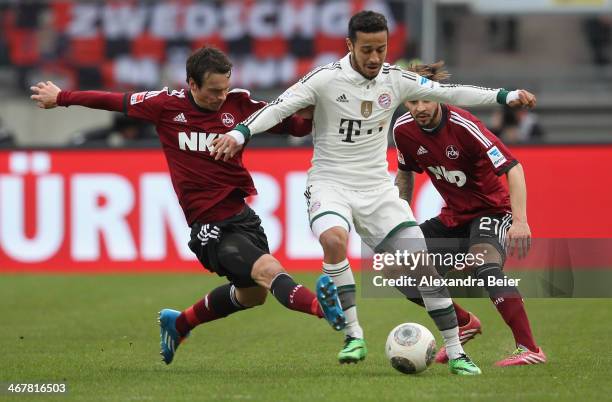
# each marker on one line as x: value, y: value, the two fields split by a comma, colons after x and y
x: 348, y: 183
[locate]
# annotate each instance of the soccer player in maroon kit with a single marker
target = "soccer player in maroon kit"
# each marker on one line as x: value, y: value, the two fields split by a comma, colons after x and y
x: 465, y: 161
x: 226, y: 234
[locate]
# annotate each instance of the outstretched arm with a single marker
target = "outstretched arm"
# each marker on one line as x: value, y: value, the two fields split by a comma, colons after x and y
x: 47, y: 95
x: 299, y: 96
x: 296, y: 125
x: 519, y: 234
x: 414, y: 87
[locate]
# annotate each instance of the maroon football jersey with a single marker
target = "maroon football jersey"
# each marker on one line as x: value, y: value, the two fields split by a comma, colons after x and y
x: 207, y: 190
x: 463, y: 159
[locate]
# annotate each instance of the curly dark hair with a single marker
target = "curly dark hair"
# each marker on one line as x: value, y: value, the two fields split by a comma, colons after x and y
x: 366, y: 21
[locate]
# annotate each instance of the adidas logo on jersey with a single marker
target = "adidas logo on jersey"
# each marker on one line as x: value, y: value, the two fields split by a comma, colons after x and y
x: 421, y: 150
x: 342, y: 98
x: 180, y: 118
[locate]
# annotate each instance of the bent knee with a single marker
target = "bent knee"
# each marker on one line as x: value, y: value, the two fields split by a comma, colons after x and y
x: 334, y: 241
x: 485, y: 253
x: 265, y: 269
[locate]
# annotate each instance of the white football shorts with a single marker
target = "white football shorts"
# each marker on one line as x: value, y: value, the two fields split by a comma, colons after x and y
x: 375, y: 214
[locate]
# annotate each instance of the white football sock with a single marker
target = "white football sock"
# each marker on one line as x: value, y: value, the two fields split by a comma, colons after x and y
x: 342, y: 276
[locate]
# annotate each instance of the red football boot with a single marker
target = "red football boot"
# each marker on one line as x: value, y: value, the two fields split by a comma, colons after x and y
x: 523, y: 357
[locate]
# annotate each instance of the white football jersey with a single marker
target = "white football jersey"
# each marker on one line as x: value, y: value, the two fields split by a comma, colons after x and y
x: 352, y: 117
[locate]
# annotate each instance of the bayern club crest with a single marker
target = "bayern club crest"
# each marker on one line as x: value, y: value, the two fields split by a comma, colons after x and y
x: 227, y: 119
x: 314, y: 207
x: 452, y: 152
x: 384, y: 101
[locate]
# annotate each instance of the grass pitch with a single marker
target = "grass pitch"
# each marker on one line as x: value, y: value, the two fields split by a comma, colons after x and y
x: 99, y: 335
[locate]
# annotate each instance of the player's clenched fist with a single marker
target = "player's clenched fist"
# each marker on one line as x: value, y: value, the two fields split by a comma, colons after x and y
x: 45, y: 94
x: 522, y: 98
x: 226, y: 146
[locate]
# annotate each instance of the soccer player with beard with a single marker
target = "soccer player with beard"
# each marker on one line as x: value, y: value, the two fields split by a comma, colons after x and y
x: 226, y: 234
x: 465, y: 161
x: 348, y: 184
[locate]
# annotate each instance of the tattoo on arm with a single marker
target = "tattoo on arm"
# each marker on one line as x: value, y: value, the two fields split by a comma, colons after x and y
x: 405, y: 182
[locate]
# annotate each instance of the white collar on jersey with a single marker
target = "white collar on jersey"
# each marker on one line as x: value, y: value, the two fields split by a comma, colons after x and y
x: 354, y: 75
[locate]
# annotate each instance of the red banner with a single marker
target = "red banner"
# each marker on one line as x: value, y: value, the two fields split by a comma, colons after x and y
x: 115, y: 211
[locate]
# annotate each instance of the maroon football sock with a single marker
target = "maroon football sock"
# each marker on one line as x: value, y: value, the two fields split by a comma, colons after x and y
x: 294, y: 296
x: 463, y: 317
x: 513, y: 312
x: 219, y: 303
x: 509, y: 303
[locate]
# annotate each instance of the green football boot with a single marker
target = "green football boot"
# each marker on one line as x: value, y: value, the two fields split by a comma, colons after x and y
x: 463, y: 366
x: 354, y: 350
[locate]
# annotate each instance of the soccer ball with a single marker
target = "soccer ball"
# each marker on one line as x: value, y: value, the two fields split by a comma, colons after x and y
x: 410, y: 348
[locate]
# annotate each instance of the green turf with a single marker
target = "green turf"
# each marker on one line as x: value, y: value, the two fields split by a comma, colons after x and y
x: 99, y: 334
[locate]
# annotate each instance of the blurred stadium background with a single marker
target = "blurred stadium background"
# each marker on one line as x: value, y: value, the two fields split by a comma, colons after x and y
x: 560, y: 49
x: 85, y: 191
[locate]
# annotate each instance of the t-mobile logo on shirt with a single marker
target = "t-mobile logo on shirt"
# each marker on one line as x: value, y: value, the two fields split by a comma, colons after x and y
x: 195, y: 141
